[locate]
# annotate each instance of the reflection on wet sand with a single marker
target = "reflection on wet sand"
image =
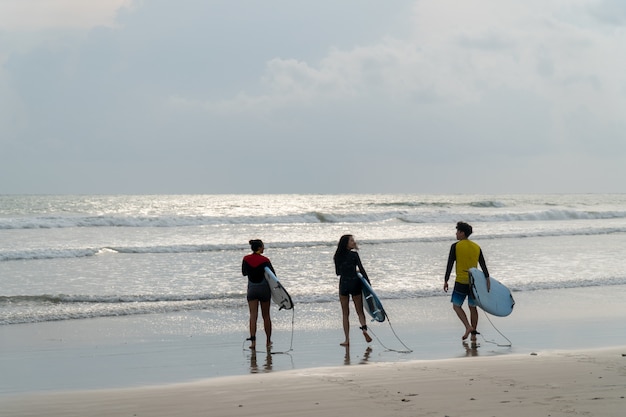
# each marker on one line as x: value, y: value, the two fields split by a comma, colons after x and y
x: 471, y: 349
x: 254, y: 366
x: 366, y: 355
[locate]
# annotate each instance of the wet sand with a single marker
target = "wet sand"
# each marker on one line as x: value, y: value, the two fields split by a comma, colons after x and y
x: 566, y: 357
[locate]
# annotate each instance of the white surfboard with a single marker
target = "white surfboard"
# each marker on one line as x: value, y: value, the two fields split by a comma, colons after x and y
x: 279, y: 294
x: 497, y: 301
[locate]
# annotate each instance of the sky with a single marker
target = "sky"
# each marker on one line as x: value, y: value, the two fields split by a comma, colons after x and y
x: 312, y: 96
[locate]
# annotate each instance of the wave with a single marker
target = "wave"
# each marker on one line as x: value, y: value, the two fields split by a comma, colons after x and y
x: 42, y: 308
x: 111, y: 299
x: 408, y: 216
x: 441, y: 204
x: 77, y: 312
x: 42, y: 254
x: 543, y: 215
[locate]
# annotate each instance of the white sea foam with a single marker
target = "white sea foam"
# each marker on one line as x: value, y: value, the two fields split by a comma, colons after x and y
x: 52, y: 222
x: 74, y: 257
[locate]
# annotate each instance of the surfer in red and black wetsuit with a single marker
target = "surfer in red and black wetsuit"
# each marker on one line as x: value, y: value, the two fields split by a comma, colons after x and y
x: 466, y: 254
x: 259, y: 293
x: 347, y: 261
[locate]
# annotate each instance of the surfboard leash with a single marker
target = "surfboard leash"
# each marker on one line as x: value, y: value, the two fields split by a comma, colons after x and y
x: 492, y: 325
x: 497, y: 330
x: 473, y: 288
x: 408, y: 349
x: 293, y: 319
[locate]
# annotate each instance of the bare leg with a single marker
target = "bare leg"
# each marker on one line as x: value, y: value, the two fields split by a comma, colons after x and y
x: 358, y: 305
x: 463, y: 317
x: 345, y: 312
x: 474, y: 321
x: 253, y: 305
x: 267, y: 322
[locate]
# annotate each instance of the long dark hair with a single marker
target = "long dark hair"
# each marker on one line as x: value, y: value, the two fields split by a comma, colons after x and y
x: 342, y: 246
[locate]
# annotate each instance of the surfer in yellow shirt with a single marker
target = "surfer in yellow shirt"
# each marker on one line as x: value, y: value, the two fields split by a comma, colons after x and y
x: 466, y: 254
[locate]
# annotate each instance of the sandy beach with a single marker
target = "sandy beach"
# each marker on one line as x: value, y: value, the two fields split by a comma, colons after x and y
x: 590, y: 383
x: 563, y: 361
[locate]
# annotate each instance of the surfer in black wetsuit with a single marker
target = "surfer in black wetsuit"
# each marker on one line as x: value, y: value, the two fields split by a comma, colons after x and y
x: 259, y: 293
x: 347, y: 261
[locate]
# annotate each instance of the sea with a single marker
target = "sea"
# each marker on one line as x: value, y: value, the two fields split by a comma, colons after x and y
x: 78, y: 257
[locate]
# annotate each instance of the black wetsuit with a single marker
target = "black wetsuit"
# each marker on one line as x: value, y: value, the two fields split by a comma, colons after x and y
x: 346, y: 267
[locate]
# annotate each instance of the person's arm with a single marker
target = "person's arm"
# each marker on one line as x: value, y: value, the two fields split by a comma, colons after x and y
x: 244, y: 268
x: 269, y: 264
x: 360, y: 266
x: 451, y: 260
x: 483, y: 266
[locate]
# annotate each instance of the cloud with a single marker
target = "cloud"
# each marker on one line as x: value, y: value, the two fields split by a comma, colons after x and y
x: 25, y: 15
x: 320, y: 97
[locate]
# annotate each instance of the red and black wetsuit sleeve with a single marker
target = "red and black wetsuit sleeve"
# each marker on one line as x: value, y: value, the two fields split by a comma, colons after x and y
x: 253, y: 266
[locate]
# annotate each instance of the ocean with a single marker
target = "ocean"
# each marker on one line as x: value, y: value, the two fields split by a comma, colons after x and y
x: 65, y: 258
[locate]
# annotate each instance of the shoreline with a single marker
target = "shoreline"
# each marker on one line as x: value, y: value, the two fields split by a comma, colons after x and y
x: 587, y: 382
x: 159, y: 350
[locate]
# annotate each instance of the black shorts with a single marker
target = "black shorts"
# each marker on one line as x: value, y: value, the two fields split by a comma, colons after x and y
x: 350, y: 286
x: 260, y: 291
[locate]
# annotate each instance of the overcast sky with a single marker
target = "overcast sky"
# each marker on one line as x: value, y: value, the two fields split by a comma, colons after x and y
x: 312, y: 96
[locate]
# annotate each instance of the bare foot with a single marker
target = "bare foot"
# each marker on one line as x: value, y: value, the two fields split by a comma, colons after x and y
x: 367, y: 336
x: 346, y: 343
x: 252, y: 340
x: 474, y: 333
x: 467, y: 332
